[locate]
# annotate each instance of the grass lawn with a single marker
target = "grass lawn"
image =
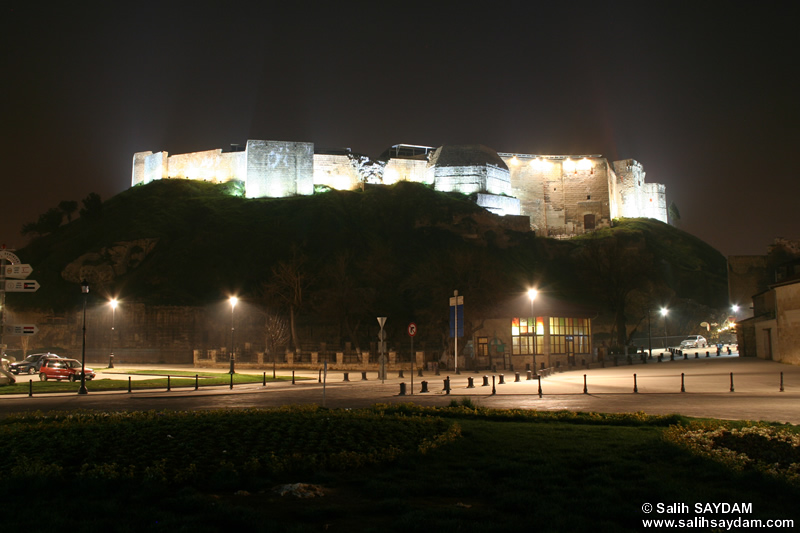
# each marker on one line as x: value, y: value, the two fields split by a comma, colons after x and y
x: 178, y: 378
x: 552, y: 473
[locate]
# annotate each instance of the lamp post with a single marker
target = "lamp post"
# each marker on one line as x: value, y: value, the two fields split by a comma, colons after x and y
x: 233, y: 300
x: 532, y: 293
x: 113, y: 303
x: 664, y: 312
x: 85, y: 291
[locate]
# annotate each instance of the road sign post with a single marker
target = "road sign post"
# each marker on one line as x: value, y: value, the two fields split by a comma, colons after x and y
x: 412, y: 331
x: 456, y: 320
x: 382, y: 347
x: 11, y: 267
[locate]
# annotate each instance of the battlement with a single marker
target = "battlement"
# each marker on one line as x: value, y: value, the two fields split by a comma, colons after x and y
x: 562, y: 195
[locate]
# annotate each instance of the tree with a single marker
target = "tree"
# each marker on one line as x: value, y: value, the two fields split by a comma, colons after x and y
x: 344, y: 296
x: 276, y: 333
x: 48, y: 222
x: 68, y: 207
x: 615, y: 272
x: 368, y: 171
x: 92, y: 207
x: 673, y: 212
x: 286, y: 287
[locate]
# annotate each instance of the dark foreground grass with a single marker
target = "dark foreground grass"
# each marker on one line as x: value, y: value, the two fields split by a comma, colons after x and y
x: 556, y: 473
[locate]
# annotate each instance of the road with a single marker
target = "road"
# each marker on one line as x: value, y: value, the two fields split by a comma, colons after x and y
x: 707, y: 384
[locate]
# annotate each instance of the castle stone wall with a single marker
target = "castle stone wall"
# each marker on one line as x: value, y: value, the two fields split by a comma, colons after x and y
x: 499, y: 205
x: 561, y: 196
x: 210, y: 165
x: 279, y: 168
x: 406, y: 170
x: 470, y: 179
x: 335, y: 171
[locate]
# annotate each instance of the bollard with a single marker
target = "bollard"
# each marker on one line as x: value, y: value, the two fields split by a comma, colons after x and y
x: 363, y: 376
x: 346, y: 376
x: 695, y: 355
x: 400, y: 374
x: 585, y: 389
x: 273, y: 370
x: 539, y: 378
x: 485, y: 381
x: 264, y: 380
x: 685, y: 357
x: 635, y: 386
x: 516, y: 377
x: 708, y: 354
x: 731, y: 381
x: 424, y: 387
x: 530, y: 376
x: 683, y: 387
x: 30, y: 388
x: 729, y: 350
x: 196, y: 382
x: 168, y: 389
x: 671, y: 356
x: 470, y: 383
x: 319, y: 376
x: 458, y: 371
x: 292, y: 378
x: 402, y: 389
x: 232, y: 380
x: 501, y: 380
x: 129, y: 384
x: 437, y: 370
x: 781, y: 381
x: 494, y: 369
x: 447, y: 385
x: 419, y: 372
x: 494, y: 389
x: 660, y: 357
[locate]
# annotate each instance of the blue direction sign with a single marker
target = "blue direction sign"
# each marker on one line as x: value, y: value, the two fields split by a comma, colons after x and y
x: 22, y: 285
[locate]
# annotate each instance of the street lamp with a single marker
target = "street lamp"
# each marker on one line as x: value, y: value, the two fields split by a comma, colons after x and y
x: 532, y: 293
x: 113, y: 303
x: 664, y: 312
x: 85, y: 291
x: 233, y: 300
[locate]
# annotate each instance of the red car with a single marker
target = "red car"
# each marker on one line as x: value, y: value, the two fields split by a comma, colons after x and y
x: 59, y: 369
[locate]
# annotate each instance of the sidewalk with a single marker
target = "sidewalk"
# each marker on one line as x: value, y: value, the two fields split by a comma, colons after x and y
x: 706, y: 381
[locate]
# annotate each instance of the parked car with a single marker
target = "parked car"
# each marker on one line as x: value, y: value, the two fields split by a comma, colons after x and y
x: 32, y: 363
x: 59, y: 369
x: 694, y: 341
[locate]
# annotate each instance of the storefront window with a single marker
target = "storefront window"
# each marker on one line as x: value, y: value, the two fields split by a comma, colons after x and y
x: 523, y: 339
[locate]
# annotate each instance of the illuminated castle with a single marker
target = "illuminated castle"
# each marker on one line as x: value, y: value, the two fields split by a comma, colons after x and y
x: 562, y: 195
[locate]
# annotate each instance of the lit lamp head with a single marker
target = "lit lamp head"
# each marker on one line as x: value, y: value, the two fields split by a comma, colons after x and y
x: 664, y: 311
x: 113, y: 303
x: 233, y: 300
x: 532, y: 293
x: 85, y: 287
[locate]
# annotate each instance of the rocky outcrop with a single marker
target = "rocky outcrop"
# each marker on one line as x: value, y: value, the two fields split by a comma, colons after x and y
x: 110, y: 262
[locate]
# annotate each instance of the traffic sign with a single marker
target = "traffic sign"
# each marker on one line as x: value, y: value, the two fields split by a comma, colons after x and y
x: 22, y: 285
x: 8, y: 256
x: 20, y: 329
x: 412, y: 329
x: 17, y: 271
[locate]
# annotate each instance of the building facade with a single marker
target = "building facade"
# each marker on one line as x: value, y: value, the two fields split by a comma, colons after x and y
x: 562, y: 195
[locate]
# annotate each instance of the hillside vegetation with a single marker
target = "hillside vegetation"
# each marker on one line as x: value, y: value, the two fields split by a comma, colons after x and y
x: 395, y: 250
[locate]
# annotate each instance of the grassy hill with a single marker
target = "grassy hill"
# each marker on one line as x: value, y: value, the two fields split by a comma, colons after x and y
x: 395, y: 249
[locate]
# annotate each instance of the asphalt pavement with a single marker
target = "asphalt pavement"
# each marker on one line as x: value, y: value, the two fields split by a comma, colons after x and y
x: 727, y: 387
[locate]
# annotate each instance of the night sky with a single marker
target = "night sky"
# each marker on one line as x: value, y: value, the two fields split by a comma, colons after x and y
x: 706, y: 98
